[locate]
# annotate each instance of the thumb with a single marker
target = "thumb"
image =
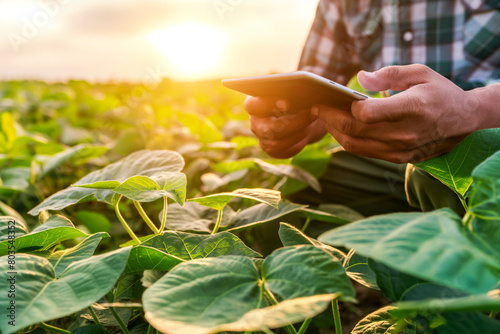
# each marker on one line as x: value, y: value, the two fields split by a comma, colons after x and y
x: 395, y: 77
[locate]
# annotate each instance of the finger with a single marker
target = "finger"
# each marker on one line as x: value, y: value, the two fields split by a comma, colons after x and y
x: 395, y: 77
x: 388, y: 109
x: 264, y: 106
x: 287, y: 147
x: 278, y: 127
x: 342, y: 121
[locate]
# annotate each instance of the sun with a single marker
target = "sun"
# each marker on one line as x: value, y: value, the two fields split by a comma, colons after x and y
x: 192, y: 49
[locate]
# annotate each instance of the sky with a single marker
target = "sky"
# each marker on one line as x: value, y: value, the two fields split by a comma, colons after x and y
x: 186, y: 40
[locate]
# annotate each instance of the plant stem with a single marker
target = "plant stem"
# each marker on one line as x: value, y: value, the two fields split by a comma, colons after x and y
x: 306, y: 224
x: 150, y: 329
x: 462, y: 200
x: 164, y: 216
x: 467, y: 220
x: 217, y: 223
x: 124, y: 223
x: 145, y: 217
x: 53, y: 329
x: 94, y: 315
x: 119, y: 320
x: 336, y: 316
x: 399, y: 326
x: 304, y: 326
x: 289, y: 329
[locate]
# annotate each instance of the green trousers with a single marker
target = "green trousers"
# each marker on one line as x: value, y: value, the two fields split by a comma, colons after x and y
x: 372, y: 186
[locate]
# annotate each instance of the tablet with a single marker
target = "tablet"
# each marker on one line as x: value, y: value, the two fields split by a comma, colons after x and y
x: 303, y: 89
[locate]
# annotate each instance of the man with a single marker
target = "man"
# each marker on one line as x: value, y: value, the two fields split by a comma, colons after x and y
x: 448, y: 93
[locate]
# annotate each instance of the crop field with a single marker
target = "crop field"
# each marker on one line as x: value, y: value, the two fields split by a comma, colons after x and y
x: 129, y: 208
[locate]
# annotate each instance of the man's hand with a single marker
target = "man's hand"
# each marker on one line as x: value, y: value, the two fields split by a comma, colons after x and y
x: 281, y: 130
x: 429, y: 118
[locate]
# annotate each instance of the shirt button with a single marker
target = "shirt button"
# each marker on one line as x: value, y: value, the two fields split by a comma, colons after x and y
x: 408, y: 36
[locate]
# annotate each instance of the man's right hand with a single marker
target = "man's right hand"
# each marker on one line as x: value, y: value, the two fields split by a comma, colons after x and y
x: 281, y: 130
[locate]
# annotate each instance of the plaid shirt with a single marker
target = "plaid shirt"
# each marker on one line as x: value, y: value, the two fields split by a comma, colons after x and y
x: 460, y: 39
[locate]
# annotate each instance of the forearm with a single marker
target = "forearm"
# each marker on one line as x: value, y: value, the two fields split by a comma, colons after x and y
x: 485, y: 103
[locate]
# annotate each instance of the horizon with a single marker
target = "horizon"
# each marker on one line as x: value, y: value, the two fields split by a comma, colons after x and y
x: 131, y: 40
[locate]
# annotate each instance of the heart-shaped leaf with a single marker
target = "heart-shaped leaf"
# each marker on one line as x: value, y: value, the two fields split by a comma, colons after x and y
x: 431, y: 246
x: 226, y: 293
x: 163, y: 252
x: 143, y: 163
x: 204, y: 294
x: 41, y: 295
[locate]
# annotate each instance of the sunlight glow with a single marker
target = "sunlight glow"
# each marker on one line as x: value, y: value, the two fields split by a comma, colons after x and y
x: 192, y: 49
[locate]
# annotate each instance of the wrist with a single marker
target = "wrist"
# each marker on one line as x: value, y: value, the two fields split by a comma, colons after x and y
x: 483, y: 105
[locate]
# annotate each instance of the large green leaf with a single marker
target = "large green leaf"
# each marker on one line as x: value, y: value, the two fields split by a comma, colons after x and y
x: 276, y: 316
x: 302, y: 271
x: 53, y: 231
x: 431, y: 246
x: 163, y: 252
x: 218, y: 201
x: 41, y: 295
x: 455, y: 168
x: 142, y: 163
x: 200, y: 295
x: 226, y: 293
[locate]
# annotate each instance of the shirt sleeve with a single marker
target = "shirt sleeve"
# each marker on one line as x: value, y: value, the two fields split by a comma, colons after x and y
x: 329, y: 51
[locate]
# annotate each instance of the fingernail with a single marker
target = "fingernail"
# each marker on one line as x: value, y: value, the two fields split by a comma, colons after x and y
x: 368, y: 74
x: 315, y: 111
x: 280, y: 105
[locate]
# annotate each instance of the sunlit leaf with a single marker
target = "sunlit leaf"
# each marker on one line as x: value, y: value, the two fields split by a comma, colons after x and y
x: 143, y: 163
x: 455, y: 168
x: 431, y: 246
x: 163, y: 252
x: 218, y: 201
x: 41, y: 295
